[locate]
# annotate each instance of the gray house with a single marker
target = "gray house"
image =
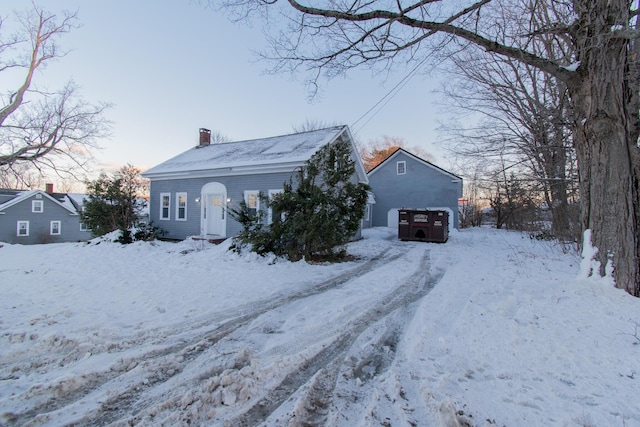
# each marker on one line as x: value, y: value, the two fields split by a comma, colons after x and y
x: 190, y: 193
x: 35, y: 216
x: 404, y: 180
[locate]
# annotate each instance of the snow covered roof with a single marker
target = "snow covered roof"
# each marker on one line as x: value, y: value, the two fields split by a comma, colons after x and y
x: 7, y: 195
x: 76, y: 200
x: 274, y: 154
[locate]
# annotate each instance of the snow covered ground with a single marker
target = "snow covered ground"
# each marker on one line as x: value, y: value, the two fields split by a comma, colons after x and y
x: 491, y: 328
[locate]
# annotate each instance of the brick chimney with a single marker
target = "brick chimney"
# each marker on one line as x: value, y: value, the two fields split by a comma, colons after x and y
x: 49, y: 188
x: 205, y: 137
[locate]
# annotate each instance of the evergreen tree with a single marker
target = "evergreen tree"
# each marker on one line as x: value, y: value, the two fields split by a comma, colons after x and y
x: 114, y: 202
x: 318, y: 212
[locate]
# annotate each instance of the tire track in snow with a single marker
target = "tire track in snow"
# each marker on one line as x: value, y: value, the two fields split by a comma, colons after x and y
x: 132, y: 380
x: 131, y: 384
x: 325, y: 365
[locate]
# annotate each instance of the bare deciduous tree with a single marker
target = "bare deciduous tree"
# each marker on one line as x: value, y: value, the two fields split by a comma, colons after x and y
x: 471, y: 205
x: 601, y: 76
x: 525, y: 110
x: 313, y: 124
x: 42, y: 129
x: 219, y: 138
x: 377, y: 150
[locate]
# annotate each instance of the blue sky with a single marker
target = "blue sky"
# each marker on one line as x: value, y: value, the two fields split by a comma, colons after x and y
x: 171, y: 67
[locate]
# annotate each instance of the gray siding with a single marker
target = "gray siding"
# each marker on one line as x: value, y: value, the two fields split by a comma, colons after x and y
x: 422, y: 186
x: 235, y: 185
x: 40, y: 223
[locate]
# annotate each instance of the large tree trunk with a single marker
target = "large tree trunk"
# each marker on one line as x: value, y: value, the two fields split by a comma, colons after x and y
x: 605, y: 146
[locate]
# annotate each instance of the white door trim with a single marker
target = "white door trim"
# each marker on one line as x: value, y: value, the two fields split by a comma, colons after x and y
x: 208, y: 190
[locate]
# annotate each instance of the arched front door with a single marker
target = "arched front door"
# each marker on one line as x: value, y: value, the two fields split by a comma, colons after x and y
x: 213, y: 220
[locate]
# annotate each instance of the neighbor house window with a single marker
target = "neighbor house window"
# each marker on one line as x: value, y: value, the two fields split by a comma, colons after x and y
x: 367, y: 212
x: 54, y: 228
x: 83, y: 227
x: 181, y: 206
x: 37, y: 206
x: 401, y: 167
x: 271, y: 215
x: 253, y: 202
x: 165, y: 205
x: 23, y: 228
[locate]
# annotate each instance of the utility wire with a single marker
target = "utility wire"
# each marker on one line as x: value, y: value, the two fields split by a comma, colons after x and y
x: 378, y: 106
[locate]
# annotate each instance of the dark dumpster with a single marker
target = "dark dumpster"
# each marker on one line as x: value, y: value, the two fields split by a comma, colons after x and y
x: 423, y: 225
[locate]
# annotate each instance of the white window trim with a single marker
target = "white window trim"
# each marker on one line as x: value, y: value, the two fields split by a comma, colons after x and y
x: 83, y: 227
x: 404, y: 167
x: 178, y: 195
x: 248, y: 193
x: 51, y: 228
x: 18, y: 229
x: 35, y: 203
x: 270, y: 211
x: 162, y: 196
x: 367, y: 212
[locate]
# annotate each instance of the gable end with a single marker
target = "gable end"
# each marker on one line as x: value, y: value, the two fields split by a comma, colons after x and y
x: 402, y: 151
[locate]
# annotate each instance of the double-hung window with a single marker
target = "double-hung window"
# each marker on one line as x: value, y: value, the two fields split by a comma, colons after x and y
x: 401, y: 167
x: 181, y: 206
x: 252, y: 199
x: 165, y: 206
x: 37, y: 206
x: 22, y: 228
x: 54, y: 228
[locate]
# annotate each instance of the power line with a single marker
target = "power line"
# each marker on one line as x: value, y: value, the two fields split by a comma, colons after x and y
x: 389, y: 95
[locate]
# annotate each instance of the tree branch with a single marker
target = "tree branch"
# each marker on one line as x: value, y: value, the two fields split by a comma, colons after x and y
x: 432, y: 27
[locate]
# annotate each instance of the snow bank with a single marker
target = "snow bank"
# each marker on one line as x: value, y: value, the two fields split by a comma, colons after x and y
x: 513, y: 333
